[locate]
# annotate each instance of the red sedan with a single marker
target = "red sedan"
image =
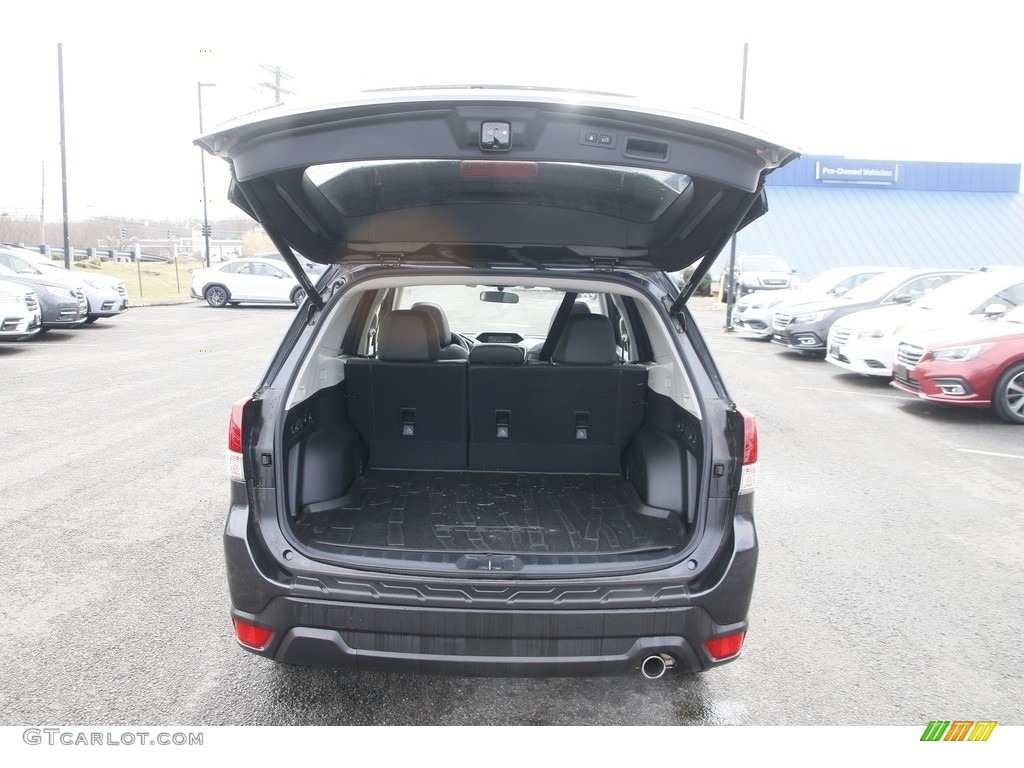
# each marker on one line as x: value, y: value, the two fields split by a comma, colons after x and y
x: 979, y: 366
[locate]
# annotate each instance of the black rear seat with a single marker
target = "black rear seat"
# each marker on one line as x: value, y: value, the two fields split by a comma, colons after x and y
x: 409, y: 406
x: 575, y: 414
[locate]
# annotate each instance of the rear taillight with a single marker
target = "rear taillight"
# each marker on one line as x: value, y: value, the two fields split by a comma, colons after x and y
x: 725, y: 647
x: 252, y: 636
x: 748, y: 477
x: 235, y: 471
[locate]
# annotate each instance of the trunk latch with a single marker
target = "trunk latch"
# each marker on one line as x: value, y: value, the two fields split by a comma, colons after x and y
x: 501, y: 563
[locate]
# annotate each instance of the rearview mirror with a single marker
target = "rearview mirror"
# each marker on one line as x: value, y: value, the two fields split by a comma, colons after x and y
x: 499, y: 297
x: 902, y: 298
x: 995, y: 309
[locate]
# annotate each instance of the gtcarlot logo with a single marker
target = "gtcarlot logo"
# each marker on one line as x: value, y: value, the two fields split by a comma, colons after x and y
x: 73, y: 737
x: 958, y: 730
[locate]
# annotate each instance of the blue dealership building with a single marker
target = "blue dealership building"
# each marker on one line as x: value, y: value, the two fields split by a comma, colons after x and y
x: 828, y: 211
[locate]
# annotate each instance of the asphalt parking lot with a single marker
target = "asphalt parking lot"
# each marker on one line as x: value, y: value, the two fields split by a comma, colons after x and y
x: 889, y: 586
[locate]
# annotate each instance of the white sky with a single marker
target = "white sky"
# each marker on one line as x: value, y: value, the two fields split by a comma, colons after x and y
x: 898, y: 81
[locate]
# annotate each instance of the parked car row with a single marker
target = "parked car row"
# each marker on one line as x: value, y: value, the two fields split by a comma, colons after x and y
x: 37, y: 295
x: 952, y: 336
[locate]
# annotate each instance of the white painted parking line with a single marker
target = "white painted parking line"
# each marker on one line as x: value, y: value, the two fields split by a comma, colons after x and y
x: 991, y: 453
x: 861, y: 394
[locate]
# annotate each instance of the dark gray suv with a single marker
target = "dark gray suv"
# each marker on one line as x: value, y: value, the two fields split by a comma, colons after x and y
x: 493, y: 441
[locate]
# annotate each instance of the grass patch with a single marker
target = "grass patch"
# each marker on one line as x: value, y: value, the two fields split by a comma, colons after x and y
x: 159, y: 285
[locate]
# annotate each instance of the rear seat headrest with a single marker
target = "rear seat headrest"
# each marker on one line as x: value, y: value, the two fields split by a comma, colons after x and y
x: 440, y: 319
x: 408, y: 336
x: 586, y: 340
x: 496, y: 354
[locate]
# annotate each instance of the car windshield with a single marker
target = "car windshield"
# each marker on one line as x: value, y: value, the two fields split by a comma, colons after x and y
x: 469, y: 313
x: 826, y: 281
x: 878, y: 286
x: 965, y: 294
x: 18, y: 265
x: 763, y: 264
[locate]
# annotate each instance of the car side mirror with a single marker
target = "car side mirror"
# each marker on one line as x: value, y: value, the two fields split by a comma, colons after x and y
x: 902, y: 298
x: 993, y: 310
x: 840, y: 290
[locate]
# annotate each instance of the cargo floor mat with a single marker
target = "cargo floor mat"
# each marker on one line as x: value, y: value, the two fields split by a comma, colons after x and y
x: 488, y: 512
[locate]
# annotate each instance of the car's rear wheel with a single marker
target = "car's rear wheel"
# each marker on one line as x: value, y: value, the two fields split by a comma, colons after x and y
x: 216, y: 295
x: 1008, y: 396
x: 298, y: 296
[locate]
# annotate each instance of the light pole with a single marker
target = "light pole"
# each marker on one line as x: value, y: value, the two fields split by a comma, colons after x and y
x: 731, y: 302
x: 202, y: 165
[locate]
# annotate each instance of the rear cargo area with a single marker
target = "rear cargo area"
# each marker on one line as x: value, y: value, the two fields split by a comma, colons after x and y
x: 416, y: 455
x: 488, y: 512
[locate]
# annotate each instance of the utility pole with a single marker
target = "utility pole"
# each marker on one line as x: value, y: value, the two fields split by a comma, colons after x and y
x: 42, y: 207
x: 732, y: 253
x: 63, y: 157
x: 202, y: 166
x: 276, y: 85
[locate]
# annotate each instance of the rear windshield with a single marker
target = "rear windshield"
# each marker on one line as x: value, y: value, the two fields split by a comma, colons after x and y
x: 363, y: 188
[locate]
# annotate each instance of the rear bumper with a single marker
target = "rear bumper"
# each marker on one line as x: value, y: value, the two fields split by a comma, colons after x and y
x: 502, y: 628
x: 483, y: 642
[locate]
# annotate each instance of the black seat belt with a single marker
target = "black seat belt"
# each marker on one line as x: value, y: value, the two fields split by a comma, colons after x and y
x: 557, y: 325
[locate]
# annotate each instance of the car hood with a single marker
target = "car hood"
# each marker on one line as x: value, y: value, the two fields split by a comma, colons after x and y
x: 63, y: 276
x: 895, y: 316
x: 811, y: 304
x: 974, y: 330
x: 9, y: 286
x: 31, y: 280
x: 498, y: 177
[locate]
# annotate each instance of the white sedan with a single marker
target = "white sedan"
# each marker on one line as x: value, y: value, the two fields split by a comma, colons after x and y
x: 256, y: 281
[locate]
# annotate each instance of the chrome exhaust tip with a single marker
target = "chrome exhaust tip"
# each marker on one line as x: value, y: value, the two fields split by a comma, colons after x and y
x: 654, y: 667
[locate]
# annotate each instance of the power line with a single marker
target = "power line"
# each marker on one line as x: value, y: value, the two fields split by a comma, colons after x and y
x: 276, y: 85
